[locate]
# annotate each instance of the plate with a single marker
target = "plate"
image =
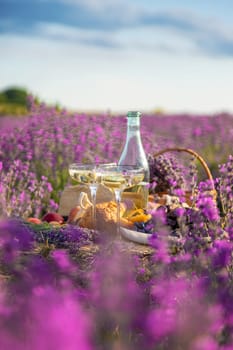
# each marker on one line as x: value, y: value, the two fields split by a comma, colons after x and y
x: 135, y: 236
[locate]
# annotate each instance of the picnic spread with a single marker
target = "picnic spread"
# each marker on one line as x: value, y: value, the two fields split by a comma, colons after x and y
x: 120, y: 201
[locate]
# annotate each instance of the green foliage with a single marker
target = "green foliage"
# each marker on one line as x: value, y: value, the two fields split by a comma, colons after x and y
x: 14, y: 95
x: 13, y: 101
x: 2, y: 98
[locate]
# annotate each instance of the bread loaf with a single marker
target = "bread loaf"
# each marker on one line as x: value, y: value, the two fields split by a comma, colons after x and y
x: 106, y: 216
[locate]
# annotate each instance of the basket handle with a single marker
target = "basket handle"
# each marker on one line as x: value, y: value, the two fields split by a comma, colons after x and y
x: 195, y: 154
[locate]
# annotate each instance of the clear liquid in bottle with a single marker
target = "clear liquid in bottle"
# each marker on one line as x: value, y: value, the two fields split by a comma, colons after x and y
x: 134, y: 154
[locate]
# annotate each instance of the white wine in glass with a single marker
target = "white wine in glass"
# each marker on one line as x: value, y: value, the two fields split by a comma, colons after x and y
x: 89, y: 174
x: 118, y: 178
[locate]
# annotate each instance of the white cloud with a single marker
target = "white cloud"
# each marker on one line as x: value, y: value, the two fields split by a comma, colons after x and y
x: 84, y: 77
x: 120, y: 25
x: 99, y: 38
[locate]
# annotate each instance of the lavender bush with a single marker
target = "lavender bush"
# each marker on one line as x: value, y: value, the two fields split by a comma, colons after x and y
x: 178, y: 297
x: 22, y: 193
x: 49, y: 302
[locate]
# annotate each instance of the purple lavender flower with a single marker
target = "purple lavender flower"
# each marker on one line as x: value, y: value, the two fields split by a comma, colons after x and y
x: 221, y: 253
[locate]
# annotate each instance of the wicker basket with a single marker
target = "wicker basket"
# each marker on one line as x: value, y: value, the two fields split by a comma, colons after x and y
x: 188, y: 194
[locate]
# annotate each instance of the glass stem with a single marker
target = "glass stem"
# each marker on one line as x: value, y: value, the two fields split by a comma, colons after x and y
x: 118, y: 202
x: 93, y: 189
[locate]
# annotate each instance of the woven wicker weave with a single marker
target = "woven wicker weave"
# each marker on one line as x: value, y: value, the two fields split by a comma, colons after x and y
x: 188, y: 194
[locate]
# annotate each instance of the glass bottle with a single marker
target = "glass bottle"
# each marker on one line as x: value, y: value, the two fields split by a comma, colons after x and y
x: 134, y: 154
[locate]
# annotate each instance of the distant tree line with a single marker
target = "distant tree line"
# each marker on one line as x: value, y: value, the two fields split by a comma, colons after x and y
x: 14, y: 95
x: 13, y: 101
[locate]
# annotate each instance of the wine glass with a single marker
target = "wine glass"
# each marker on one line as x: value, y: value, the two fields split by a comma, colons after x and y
x: 118, y: 178
x: 90, y: 175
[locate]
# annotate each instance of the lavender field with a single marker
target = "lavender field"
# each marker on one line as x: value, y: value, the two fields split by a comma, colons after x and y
x: 180, y: 298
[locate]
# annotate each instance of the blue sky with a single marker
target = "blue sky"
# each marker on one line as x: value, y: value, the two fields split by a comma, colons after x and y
x: 120, y: 54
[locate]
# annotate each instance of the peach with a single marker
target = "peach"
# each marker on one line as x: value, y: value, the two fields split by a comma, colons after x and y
x: 34, y: 220
x: 74, y: 215
x: 53, y: 217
